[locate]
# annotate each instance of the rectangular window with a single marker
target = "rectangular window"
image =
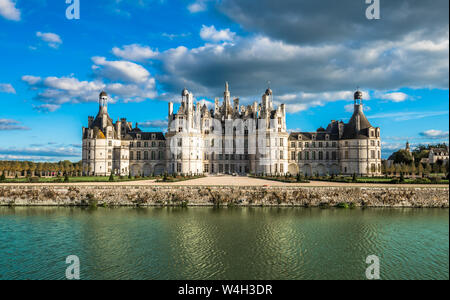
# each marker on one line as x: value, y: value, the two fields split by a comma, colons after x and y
x: 292, y: 144
x: 293, y: 155
x: 138, y: 155
x: 281, y: 154
x: 281, y: 143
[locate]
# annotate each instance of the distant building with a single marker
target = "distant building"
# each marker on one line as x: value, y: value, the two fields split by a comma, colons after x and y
x: 230, y: 138
x: 438, y: 154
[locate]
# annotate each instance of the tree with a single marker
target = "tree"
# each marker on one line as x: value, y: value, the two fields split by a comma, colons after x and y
x: 420, y: 169
x: 398, y: 169
x: 413, y: 169
x: 111, y: 177
x: 428, y: 169
x: 401, y: 157
x: 435, y: 168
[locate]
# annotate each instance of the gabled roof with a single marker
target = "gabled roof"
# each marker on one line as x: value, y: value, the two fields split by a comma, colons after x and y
x: 351, y: 128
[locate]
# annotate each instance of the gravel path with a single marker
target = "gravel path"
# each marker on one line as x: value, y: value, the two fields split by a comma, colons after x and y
x: 232, y: 181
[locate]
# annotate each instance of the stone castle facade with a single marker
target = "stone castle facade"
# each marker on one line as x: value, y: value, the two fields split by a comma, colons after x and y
x: 230, y: 139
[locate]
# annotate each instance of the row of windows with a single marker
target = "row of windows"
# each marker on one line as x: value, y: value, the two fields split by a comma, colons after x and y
x: 313, y: 155
x: 139, y: 144
x: 313, y: 144
x: 153, y: 155
x: 306, y: 155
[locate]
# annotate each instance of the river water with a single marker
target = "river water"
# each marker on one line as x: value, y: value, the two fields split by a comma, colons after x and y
x: 225, y: 243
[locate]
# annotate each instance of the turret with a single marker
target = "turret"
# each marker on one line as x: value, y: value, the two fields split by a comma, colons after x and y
x: 226, y: 95
x: 358, y: 101
x: 236, y: 105
x: 103, y: 102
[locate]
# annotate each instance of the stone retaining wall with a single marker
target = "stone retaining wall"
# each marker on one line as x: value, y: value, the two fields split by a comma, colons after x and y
x: 27, y: 195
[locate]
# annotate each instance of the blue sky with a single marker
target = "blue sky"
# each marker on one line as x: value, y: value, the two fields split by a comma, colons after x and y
x: 143, y: 53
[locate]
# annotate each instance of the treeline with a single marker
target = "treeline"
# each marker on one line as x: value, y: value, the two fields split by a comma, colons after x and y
x: 413, y: 169
x: 39, y: 169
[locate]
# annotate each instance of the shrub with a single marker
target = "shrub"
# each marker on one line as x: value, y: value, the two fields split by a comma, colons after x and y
x: 354, y: 178
x: 434, y: 180
x: 66, y: 178
x: 3, y: 177
x: 111, y: 177
x: 402, y: 178
x: 342, y: 205
x: 395, y: 181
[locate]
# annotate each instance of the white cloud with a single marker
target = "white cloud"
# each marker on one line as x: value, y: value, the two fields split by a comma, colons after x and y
x: 52, y: 39
x: 408, y: 115
x: 39, y: 152
x: 120, y: 70
x: 134, y: 52
x: 46, y: 108
x: 435, y: 134
x: 395, y: 96
x: 31, y: 80
x: 197, y: 6
x: 7, y: 88
x: 157, y: 124
x: 210, y: 33
x: 9, y: 125
x: 9, y: 11
x: 54, y: 91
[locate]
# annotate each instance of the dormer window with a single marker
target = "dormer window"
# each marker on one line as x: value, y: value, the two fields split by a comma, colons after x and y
x: 153, y: 136
x: 138, y: 136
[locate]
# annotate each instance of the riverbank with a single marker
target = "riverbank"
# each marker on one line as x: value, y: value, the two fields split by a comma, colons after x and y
x: 119, y: 194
